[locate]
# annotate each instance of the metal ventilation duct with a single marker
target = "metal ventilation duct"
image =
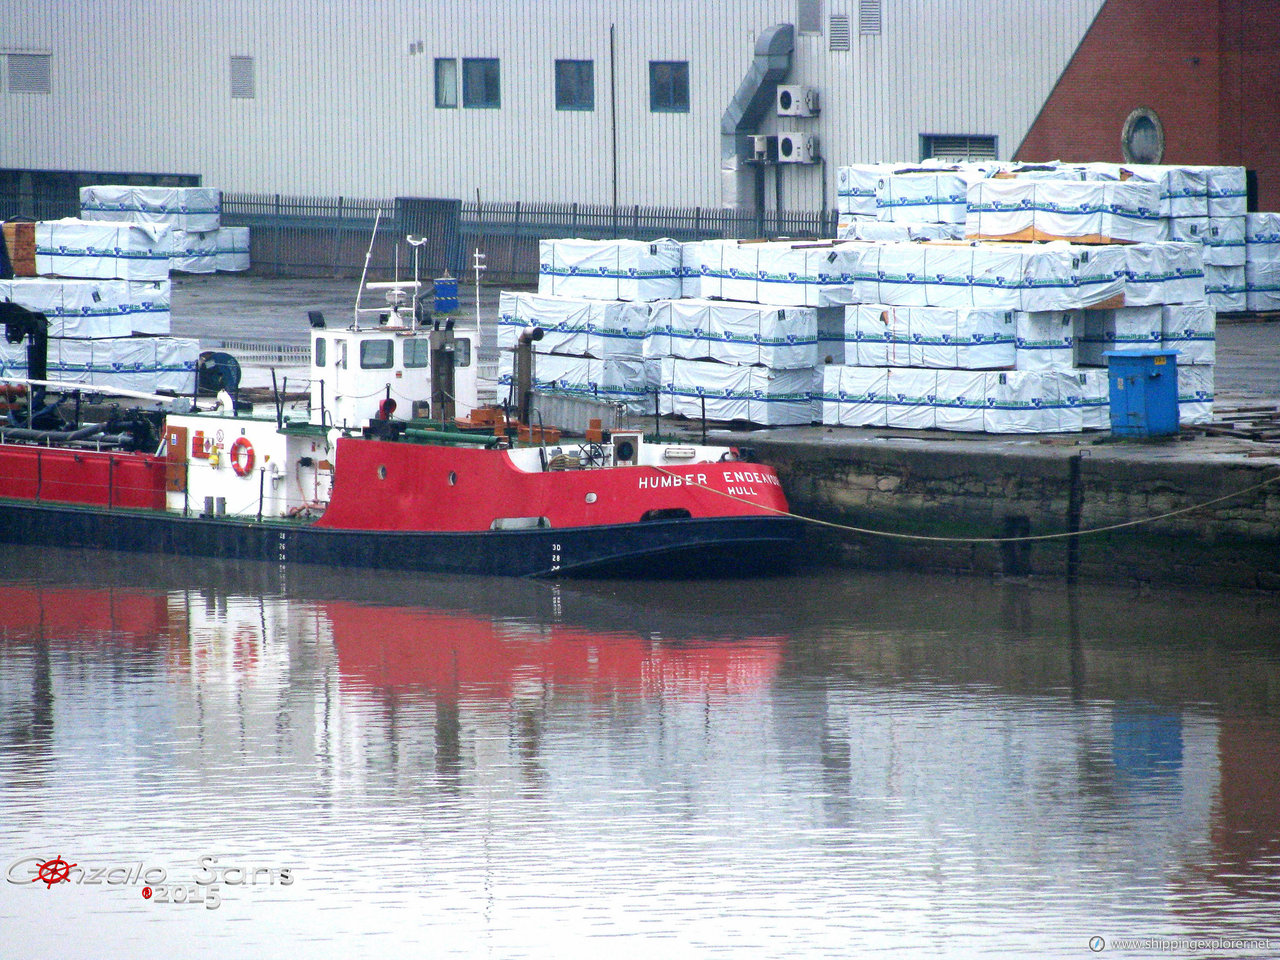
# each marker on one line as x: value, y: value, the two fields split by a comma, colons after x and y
x: 748, y: 107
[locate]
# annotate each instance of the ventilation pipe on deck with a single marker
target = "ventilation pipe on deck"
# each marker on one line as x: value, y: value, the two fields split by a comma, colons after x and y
x: 742, y: 117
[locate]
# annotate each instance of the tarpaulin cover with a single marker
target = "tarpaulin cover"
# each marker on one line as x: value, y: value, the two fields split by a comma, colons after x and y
x: 183, y: 208
x: 610, y: 269
x: 1189, y: 328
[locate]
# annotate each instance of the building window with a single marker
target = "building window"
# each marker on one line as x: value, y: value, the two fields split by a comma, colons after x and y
x: 446, y: 84
x: 669, y: 86
x: 838, y: 32
x: 869, y: 18
x: 809, y: 16
x: 480, y: 84
x: 575, y: 85
x: 29, y: 73
x: 242, y: 79
x: 949, y: 147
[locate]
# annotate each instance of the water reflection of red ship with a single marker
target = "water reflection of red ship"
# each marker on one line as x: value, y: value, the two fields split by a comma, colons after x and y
x: 455, y: 656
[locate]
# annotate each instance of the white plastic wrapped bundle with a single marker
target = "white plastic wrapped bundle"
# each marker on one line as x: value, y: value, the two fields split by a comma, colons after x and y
x: 624, y: 381
x: 1095, y: 404
x: 898, y: 231
x: 1066, y: 388
x: 1116, y: 329
x: 900, y: 274
x: 783, y: 274
x: 1189, y: 328
x: 996, y: 271
x: 1063, y: 209
x: 233, y: 249
x: 755, y: 394
x: 194, y: 251
x: 1224, y: 242
x: 1262, y: 261
x: 740, y: 272
x: 102, y: 250
x: 604, y: 329
x: 778, y: 337
x: 574, y: 376
x: 948, y: 269
x: 856, y: 188
x: 197, y: 209
x: 1159, y: 273
x: 1101, y: 273
x: 709, y: 284
x: 940, y: 197
x: 1228, y: 191
x: 1195, y: 393
x: 81, y: 309
x: 828, y: 393
x: 610, y: 269
x: 1187, y: 229
x: 1224, y: 288
x: 877, y: 335
x: 148, y: 303
x: 912, y: 394
x: 693, y: 254
x: 176, y: 360
x: 961, y: 339
x: 1045, y: 340
x: 1050, y: 277
x: 126, y: 363
x: 862, y: 397
x: 961, y: 400
x: 13, y: 358
x: 1021, y: 401
x: 1184, y: 191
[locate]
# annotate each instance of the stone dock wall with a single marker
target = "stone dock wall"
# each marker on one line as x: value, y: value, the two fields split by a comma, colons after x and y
x: 950, y: 491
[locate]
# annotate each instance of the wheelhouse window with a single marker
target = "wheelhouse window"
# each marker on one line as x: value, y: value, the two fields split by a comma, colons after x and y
x: 417, y: 353
x: 446, y: 84
x: 481, y: 87
x: 669, y: 86
x: 575, y: 85
x: 376, y: 354
x: 321, y: 352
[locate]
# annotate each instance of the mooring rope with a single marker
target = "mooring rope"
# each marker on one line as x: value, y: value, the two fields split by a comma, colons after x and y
x: 916, y: 536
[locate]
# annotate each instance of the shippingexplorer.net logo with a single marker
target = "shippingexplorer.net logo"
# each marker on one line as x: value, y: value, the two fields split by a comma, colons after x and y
x: 209, y: 882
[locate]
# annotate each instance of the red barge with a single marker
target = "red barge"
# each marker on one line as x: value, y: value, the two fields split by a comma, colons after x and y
x: 350, y: 485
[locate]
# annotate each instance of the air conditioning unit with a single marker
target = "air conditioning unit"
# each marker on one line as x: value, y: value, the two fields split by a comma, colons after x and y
x: 764, y: 148
x: 796, y: 101
x: 797, y: 148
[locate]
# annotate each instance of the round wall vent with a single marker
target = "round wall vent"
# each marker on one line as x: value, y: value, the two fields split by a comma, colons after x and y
x: 1142, y: 139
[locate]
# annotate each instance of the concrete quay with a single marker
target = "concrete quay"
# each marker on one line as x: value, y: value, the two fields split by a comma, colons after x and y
x: 1193, y: 509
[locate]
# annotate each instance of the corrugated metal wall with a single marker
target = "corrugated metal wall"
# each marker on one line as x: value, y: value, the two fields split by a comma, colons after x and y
x: 344, y: 108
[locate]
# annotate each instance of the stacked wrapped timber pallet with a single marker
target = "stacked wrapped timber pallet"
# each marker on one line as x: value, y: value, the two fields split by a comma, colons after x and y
x: 1099, y: 272
x: 104, y: 286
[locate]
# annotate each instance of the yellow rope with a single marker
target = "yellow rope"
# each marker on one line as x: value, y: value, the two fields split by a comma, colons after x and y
x: 1043, y: 536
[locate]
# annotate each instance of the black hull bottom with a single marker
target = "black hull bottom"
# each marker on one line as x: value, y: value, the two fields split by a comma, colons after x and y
x: 723, y: 546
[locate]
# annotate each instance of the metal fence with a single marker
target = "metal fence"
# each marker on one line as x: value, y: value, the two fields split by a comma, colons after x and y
x: 331, y: 236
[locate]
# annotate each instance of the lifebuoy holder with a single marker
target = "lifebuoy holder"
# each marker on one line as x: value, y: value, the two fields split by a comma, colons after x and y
x: 241, y: 456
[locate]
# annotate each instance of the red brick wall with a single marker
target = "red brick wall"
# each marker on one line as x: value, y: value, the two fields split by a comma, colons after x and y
x: 1208, y: 68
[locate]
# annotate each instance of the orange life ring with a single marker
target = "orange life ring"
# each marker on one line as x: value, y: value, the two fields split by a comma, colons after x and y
x: 241, y: 465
